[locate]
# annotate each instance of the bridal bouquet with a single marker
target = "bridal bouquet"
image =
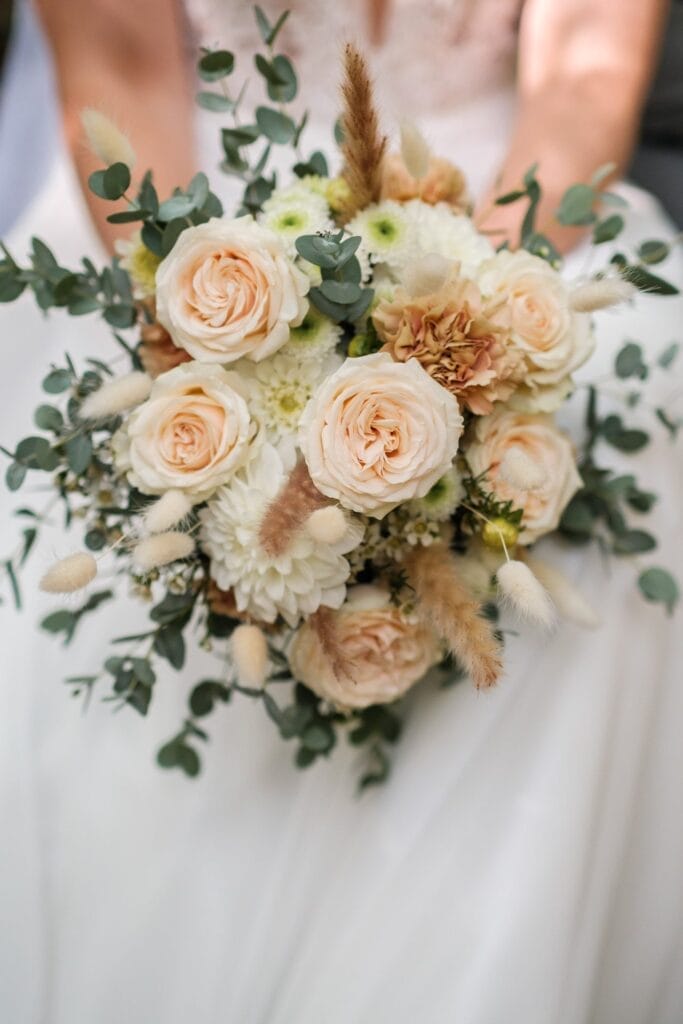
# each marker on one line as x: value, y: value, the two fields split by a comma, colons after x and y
x: 336, y: 443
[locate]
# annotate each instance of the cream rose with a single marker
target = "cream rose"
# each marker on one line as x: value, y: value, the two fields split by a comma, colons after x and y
x: 553, y: 339
x: 377, y: 433
x: 549, y: 450
x: 228, y: 289
x: 386, y: 652
x: 191, y: 433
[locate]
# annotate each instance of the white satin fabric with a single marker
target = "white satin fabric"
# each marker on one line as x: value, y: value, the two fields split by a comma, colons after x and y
x: 522, y: 864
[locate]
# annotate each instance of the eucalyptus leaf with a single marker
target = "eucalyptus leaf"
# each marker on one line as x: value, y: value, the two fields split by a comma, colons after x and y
x: 47, y: 417
x: 14, y: 475
x: 653, y: 252
x: 215, y: 65
x: 576, y: 207
x: 79, y: 453
x: 659, y: 585
x: 57, y: 381
x: 277, y: 127
x: 608, y: 229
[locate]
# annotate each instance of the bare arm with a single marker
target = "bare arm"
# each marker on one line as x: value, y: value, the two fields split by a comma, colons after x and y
x: 129, y: 61
x: 584, y: 71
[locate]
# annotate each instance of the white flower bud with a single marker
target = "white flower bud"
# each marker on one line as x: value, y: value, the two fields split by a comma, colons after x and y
x: 600, y: 294
x: 168, y: 511
x: 570, y: 602
x: 106, y: 140
x: 519, y: 587
x: 250, y: 655
x: 161, y: 549
x: 70, y: 574
x: 426, y: 274
x: 116, y: 396
x: 520, y: 471
x: 327, y: 525
x: 414, y: 150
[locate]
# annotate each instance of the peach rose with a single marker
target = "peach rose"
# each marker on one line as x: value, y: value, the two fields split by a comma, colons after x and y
x: 553, y: 340
x: 377, y: 433
x: 191, y: 433
x: 227, y: 289
x: 453, y: 336
x: 386, y: 652
x: 443, y: 183
x: 550, y: 451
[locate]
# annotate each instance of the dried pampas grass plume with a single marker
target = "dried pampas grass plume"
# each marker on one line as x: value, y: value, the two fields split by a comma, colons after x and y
x: 69, y: 574
x: 106, y: 140
x: 446, y: 604
x: 601, y: 294
x: 520, y: 589
x: 414, y: 150
x: 171, y: 508
x: 364, y: 146
x: 286, y: 514
x: 116, y: 396
x: 250, y: 655
x: 568, y: 599
x: 323, y: 622
x: 153, y: 552
x: 327, y: 525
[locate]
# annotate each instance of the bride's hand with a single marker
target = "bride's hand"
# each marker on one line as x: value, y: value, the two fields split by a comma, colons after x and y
x: 131, y: 62
x: 584, y: 71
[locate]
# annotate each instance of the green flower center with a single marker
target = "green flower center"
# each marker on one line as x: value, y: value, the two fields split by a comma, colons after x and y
x: 385, y: 230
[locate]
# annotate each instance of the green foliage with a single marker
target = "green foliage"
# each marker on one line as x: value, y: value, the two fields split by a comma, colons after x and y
x: 658, y: 585
x: 66, y: 620
x: 340, y: 296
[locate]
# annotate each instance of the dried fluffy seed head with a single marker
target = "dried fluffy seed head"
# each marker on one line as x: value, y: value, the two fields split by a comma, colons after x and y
x: 426, y: 275
x: 106, y: 140
x: 600, y: 294
x: 520, y: 471
x: 522, y: 591
x: 168, y: 511
x: 293, y: 506
x: 250, y: 655
x: 161, y: 549
x: 70, y: 574
x: 414, y: 150
x: 116, y: 396
x: 569, y: 601
x: 455, y: 615
x: 327, y: 525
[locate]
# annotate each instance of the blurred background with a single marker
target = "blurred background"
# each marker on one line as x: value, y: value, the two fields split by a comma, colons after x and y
x: 27, y: 88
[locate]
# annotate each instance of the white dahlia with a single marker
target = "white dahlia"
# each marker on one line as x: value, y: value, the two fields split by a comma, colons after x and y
x: 437, y: 229
x: 309, y: 574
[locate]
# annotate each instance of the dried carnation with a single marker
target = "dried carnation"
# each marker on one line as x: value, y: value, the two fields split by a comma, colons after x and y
x: 451, y: 333
x: 441, y: 182
x: 157, y: 351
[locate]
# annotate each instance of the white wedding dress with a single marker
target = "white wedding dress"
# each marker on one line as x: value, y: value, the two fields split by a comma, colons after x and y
x: 524, y: 861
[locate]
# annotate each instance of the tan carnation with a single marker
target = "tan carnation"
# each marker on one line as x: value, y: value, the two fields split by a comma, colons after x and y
x: 443, y: 183
x: 157, y: 351
x: 452, y: 334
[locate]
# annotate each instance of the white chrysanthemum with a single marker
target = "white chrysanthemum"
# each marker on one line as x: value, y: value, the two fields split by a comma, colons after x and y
x: 442, y: 500
x: 388, y: 235
x: 315, y: 338
x: 280, y: 389
x: 309, y: 574
x: 437, y: 229
x: 296, y: 211
x: 140, y: 262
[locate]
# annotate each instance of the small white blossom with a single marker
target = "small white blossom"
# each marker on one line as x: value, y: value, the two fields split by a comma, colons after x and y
x: 296, y: 211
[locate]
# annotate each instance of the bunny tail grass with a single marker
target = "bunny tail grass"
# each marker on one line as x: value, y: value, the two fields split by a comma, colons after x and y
x: 250, y: 655
x: 453, y: 613
x: 364, y: 146
x: 286, y: 515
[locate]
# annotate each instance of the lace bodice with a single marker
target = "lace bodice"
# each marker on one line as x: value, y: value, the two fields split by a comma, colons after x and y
x: 432, y: 55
